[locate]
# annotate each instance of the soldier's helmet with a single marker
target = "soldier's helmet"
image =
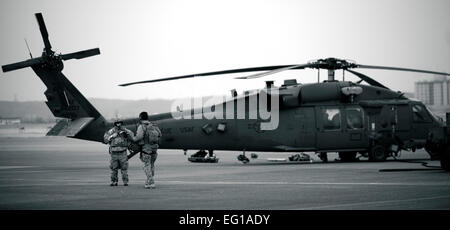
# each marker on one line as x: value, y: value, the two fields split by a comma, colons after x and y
x: 143, y: 116
x: 118, y: 121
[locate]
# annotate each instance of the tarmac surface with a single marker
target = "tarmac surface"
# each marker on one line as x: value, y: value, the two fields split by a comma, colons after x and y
x: 63, y: 173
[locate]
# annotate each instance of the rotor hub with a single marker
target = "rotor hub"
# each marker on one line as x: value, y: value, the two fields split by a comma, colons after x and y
x: 333, y: 64
x: 52, y: 61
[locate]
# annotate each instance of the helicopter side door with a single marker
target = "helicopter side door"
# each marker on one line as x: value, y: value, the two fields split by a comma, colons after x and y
x: 421, y: 121
x: 355, y: 129
x: 306, y: 124
x: 403, y: 122
x: 329, y: 128
x: 340, y: 128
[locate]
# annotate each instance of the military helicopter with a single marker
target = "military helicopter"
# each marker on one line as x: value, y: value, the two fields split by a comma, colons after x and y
x: 330, y: 116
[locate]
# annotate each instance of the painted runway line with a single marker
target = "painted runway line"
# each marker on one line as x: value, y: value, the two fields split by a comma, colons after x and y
x: 68, y: 182
x: 367, y: 204
x: 15, y: 167
x: 302, y: 183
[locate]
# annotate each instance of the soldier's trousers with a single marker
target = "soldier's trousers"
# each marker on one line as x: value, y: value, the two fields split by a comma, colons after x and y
x: 149, y: 166
x: 119, y: 161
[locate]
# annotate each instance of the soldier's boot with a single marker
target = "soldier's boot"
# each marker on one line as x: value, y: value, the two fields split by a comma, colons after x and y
x: 125, y: 177
x: 147, y: 183
x: 114, y: 178
x: 152, y: 183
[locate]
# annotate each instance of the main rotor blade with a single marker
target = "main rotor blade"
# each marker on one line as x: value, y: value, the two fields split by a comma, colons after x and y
x: 81, y: 54
x: 401, y: 69
x: 44, y: 32
x: 367, y: 79
x: 258, y: 75
x: 252, y: 69
x: 22, y: 64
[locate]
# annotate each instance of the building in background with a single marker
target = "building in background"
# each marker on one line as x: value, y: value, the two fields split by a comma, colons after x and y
x: 435, y: 94
x: 9, y: 120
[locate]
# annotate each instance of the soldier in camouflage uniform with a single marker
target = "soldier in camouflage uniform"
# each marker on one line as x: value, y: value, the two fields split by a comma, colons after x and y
x: 147, y: 136
x: 117, y: 138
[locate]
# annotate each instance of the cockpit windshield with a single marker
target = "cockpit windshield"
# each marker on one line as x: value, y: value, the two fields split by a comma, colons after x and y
x: 421, y: 113
x: 436, y: 117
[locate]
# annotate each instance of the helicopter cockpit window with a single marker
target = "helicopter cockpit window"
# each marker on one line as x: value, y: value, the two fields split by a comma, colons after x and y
x: 354, y: 118
x: 420, y: 114
x: 331, y: 119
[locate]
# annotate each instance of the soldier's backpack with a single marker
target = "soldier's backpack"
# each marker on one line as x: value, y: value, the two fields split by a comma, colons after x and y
x: 151, y: 135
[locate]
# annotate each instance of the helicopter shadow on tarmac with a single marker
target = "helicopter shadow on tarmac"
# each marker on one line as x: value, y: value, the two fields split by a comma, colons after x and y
x: 422, y: 164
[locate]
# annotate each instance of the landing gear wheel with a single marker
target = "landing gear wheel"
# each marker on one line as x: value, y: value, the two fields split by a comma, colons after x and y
x: 347, y: 156
x: 377, y: 153
x: 243, y: 158
x: 445, y: 161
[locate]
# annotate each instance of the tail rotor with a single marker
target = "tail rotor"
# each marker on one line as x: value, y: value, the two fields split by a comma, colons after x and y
x: 49, y: 59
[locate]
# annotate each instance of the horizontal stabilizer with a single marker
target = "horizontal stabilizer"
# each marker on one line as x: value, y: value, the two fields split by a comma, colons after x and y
x: 69, y: 128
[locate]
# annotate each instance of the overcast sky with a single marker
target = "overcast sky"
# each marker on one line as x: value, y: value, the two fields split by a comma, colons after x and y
x: 142, y: 40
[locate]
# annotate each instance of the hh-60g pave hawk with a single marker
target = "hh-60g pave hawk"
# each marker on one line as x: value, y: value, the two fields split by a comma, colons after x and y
x: 331, y: 116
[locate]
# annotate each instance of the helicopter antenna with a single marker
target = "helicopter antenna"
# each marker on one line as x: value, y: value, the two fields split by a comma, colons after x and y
x: 28, y: 47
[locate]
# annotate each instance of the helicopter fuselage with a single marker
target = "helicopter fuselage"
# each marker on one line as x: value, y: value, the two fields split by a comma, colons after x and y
x: 312, y: 118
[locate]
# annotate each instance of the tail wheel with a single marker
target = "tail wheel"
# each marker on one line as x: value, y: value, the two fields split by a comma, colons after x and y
x: 347, y: 156
x: 445, y: 161
x: 377, y: 153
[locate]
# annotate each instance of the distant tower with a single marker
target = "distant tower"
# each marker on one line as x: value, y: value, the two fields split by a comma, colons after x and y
x: 15, y: 98
x: 424, y: 92
x: 435, y: 92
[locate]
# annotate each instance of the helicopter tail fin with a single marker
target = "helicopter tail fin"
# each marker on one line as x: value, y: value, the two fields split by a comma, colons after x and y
x: 64, y: 100
x: 81, y: 119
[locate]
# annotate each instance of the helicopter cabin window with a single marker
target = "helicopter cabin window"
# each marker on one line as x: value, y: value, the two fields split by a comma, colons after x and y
x: 331, y: 119
x: 420, y: 114
x: 354, y: 118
